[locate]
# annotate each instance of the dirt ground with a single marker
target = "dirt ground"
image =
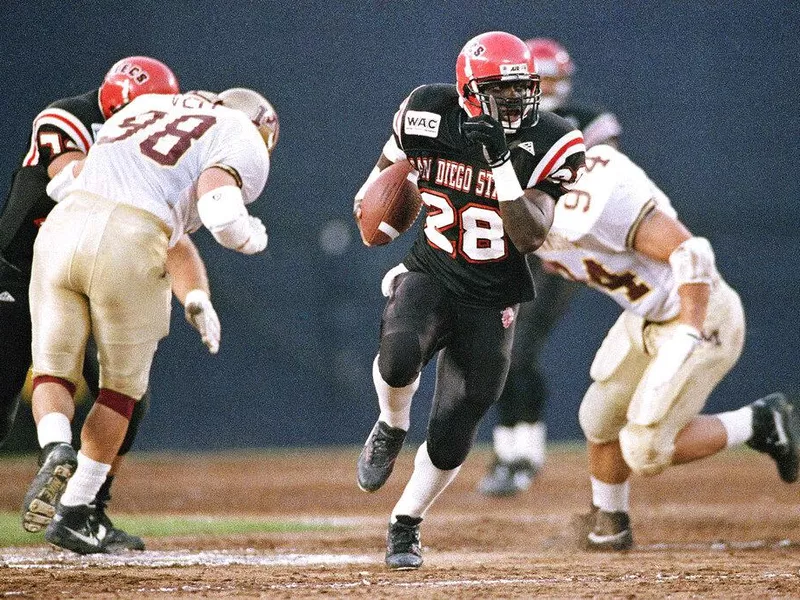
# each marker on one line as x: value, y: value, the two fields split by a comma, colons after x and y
x: 722, y: 528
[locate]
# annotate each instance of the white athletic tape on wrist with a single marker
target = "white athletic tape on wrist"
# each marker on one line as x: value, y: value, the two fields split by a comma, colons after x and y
x: 506, y: 182
x: 693, y: 262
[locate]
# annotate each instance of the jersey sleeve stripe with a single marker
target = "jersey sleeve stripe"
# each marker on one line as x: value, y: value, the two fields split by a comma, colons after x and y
x: 568, y: 145
x: 67, y: 123
x: 648, y: 207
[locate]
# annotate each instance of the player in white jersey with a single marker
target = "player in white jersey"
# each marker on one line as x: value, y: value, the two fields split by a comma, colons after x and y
x: 681, y: 331
x: 161, y: 167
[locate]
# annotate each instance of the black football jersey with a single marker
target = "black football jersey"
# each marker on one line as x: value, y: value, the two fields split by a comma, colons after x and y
x: 462, y: 241
x: 65, y: 125
x: 597, y: 125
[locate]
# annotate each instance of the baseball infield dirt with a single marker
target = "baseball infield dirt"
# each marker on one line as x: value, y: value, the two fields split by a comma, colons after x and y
x: 726, y: 527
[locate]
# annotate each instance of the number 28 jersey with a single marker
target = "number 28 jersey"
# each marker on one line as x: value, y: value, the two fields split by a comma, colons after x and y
x: 151, y: 153
x: 462, y: 241
x: 593, y: 234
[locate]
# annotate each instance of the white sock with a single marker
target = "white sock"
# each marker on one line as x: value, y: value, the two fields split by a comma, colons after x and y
x: 503, y: 438
x: 85, y: 483
x: 54, y: 427
x: 425, y: 485
x: 395, y: 403
x: 611, y: 497
x: 738, y: 425
x: 530, y: 440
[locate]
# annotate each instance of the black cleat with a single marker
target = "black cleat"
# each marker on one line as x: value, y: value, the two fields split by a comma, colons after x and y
x: 57, y: 463
x: 403, y: 548
x: 776, y: 431
x: 76, y: 528
x: 115, y: 540
x: 605, y: 531
x: 507, y: 478
x: 377, y: 458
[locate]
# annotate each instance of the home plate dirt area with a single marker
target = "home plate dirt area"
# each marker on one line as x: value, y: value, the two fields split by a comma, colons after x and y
x: 726, y: 527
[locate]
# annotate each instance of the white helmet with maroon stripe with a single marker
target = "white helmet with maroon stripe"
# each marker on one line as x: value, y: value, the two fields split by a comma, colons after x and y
x: 131, y: 77
x: 258, y: 109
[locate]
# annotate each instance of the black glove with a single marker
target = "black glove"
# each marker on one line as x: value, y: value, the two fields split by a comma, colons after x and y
x: 488, y: 132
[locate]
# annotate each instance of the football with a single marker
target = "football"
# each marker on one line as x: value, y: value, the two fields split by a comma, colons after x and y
x: 390, y: 206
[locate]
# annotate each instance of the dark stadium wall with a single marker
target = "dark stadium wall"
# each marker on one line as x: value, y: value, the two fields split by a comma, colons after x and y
x: 706, y: 95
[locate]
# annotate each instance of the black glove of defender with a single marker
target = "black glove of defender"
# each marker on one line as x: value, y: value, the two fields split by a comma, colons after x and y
x: 488, y: 132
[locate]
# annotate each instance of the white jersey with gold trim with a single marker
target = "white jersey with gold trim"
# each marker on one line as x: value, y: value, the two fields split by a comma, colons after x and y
x: 593, y: 231
x: 151, y: 153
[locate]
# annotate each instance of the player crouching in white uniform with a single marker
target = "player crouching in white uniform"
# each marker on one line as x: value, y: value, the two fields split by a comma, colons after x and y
x: 161, y: 167
x: 681, y: 332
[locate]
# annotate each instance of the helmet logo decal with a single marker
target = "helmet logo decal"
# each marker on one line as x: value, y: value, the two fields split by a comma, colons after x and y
x: 133, y: 71
x: 476, y: 49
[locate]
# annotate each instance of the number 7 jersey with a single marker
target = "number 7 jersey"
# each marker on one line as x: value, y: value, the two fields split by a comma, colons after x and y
x: 593, y: 234
x: 151, y: 153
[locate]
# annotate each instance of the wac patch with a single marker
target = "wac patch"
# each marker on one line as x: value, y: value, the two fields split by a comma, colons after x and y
x: 420, y: 122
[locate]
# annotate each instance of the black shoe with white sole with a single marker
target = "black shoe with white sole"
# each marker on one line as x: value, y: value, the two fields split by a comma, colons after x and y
x: 76, y: 528
x: 57, y: 463
x: 403, y: 547
x: 776, y: 431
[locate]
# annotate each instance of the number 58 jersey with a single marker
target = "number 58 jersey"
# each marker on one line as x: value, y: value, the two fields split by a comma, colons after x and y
x: 151, y: 153
x: 593, y: 233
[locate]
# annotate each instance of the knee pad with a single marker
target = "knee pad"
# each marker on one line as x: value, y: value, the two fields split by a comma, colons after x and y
x: 644, y: 450
x: 400, y: 358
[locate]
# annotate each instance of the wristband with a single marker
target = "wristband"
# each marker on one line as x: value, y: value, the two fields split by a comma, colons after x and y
x: 506, y: 183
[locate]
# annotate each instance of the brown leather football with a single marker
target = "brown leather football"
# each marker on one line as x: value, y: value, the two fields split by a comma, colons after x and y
x: 390, y: 206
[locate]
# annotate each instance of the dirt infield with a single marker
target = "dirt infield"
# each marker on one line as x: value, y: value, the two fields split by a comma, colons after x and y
x: 722, y: 528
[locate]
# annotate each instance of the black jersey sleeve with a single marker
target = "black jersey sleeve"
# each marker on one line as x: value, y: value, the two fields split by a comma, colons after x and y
x: 550, y: 157
x: 64, y: 126
x: 426, y: 120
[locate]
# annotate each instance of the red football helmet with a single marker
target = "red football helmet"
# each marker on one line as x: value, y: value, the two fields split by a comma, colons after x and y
x: 555, y: 67
x: 496, y: 75
x: 132, y: 77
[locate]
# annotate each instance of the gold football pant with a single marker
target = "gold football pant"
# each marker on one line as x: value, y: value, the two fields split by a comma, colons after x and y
x: 620, y: 364
x: 99, y: 268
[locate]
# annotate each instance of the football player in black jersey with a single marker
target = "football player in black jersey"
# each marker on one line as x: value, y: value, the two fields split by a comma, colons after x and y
x: 490, y: 169
x: 519, y: 437
x: 61, y: 133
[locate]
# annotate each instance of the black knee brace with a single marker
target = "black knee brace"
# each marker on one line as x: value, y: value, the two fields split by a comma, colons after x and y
x: 139, y: 411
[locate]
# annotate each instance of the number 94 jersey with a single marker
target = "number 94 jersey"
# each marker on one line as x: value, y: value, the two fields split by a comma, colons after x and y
x: 463, y: 242
x: 151, y: 153
x: 593, y: 234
